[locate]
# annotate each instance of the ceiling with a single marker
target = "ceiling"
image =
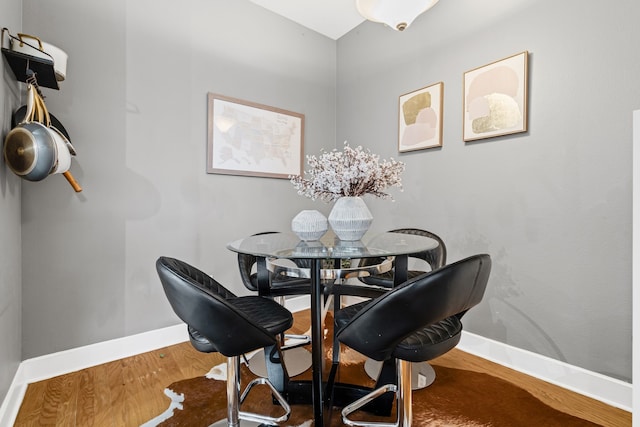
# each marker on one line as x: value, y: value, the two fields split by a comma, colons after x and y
x: 333, y: 18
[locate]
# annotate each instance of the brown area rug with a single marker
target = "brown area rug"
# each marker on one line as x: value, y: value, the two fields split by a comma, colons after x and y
x: 457, y: 398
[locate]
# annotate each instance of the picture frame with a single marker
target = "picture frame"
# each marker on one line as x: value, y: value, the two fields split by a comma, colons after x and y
x: 495, y: 98
x: 251, y: 139
x: 420, y: 118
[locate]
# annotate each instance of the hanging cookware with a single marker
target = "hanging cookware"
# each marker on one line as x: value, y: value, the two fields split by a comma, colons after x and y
x: 29, y: 148
x: 63, y: 154
x: 21, y: 112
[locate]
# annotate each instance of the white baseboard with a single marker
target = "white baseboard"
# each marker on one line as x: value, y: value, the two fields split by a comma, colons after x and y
x: 609, y: 390
x: 11, y: 403
x: 635, y: 267
x: 592, y: 384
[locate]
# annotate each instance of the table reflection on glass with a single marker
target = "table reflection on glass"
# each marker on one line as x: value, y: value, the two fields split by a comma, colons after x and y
x: 329, y: 247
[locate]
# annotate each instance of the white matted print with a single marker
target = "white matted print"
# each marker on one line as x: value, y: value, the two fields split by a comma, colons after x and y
x: 420, y: 118
x: 245, y: 138
x: 495, y: 98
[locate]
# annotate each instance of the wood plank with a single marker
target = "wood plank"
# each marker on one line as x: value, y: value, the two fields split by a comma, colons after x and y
x: 137, y: 401
x: 107, y: 393
x: 32, y: 404
x: 67, y: 404
x: 86, y: 399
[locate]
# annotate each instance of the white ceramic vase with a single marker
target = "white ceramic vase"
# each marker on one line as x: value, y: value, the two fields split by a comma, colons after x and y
x: 350, y: 218
x: 309, y: 225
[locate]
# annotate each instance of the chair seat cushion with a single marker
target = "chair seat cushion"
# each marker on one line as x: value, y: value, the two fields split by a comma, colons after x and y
x: 386, y: 279
x: 199, y: 342
x: 282, y: 285
x: 265, y: 312
x: 431, y: 341
x: 423, y: 345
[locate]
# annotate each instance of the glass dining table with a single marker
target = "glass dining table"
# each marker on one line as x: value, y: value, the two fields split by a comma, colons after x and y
x: 319, y: 254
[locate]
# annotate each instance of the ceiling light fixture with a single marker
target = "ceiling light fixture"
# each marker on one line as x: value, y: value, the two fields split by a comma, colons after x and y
x: 398, y: 14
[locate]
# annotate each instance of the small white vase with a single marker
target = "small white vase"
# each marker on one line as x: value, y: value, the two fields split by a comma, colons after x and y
x: 350, y: 218
x: 309, y: 225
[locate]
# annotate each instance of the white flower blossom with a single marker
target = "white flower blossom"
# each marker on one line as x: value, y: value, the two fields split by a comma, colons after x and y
x: 351, y: 172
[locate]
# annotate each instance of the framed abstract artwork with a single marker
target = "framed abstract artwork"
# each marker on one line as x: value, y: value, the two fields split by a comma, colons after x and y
x: 246, y: 138
x: 495, y: 98
x: 420, y: 118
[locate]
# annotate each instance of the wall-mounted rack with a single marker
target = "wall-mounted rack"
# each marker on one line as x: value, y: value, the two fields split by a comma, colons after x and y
x: 43, y: 68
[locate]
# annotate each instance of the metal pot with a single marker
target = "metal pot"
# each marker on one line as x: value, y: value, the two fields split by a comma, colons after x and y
x: 29, y: 148
x: 63, y: 161
x: 56, y: 125
x: 63, y: 146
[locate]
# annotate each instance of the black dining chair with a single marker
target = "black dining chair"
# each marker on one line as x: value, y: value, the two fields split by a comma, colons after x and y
x: 435, y: 258
x: 278, y: 287
x: 416, y: 321
x: 219, y: 321
x: 377, y: 284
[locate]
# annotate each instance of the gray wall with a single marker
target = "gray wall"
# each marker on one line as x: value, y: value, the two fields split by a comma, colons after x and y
x: 10, y: 246
x: 135, y: 105
x: 553, y: 205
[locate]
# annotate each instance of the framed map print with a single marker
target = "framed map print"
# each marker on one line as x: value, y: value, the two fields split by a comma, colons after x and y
x: 246, y: 138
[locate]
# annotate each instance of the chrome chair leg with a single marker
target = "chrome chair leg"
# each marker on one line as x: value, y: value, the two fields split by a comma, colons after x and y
x: 250, y: 416
x: 422, y: 374
x: 300, y: 340
x: 403, y: 400
x: 405, y: 413
x: 233, y: 391
x: 234, y: 400
x: 349, y: 409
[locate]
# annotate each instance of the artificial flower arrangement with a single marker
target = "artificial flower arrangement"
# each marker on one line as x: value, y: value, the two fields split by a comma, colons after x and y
x: 352, y: 172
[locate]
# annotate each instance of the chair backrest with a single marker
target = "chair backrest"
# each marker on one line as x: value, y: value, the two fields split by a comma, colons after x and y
x: 207, y: 306
x: 246, y: 264
x: 429, y: 298
x: 436, y: 257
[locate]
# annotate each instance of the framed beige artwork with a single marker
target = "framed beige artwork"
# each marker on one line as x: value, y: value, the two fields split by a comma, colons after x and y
x: 495, y: 98
x: 420, y: 118
x: 246, y: 138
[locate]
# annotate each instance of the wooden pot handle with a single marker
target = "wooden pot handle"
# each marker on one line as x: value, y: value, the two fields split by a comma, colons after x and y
x: 41, y: 110
x: 72, y: 181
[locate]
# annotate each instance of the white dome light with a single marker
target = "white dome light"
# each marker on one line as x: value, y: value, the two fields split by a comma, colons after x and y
x: 397, y: 14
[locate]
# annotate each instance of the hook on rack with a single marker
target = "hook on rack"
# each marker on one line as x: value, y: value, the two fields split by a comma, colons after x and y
x: 32, y: 79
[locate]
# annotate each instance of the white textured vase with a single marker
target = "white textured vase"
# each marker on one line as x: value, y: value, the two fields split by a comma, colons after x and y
x: 309, y: 225
x: 350, y: 218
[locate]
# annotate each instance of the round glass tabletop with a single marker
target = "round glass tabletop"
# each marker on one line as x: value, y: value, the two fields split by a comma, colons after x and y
x: 289, y: 246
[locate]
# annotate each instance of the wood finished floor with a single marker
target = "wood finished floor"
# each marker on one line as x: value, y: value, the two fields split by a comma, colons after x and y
x: 129, y: 392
